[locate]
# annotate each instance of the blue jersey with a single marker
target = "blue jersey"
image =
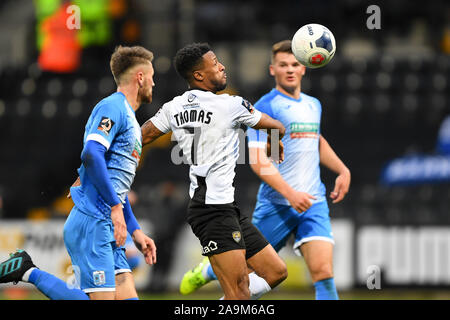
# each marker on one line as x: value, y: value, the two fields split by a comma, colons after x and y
x: 113, y: 124
x: 300, y: 168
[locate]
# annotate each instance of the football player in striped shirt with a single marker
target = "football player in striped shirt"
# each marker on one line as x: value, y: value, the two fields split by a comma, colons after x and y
x: 291, y: 198
x: 207, y: 128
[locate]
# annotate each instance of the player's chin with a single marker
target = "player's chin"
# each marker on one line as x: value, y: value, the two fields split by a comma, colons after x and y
x: 221, y: 86
x: 147, y: 98
x: 290, y: 85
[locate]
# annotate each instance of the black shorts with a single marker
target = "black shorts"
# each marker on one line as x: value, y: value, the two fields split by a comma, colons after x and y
x: 221, y: 228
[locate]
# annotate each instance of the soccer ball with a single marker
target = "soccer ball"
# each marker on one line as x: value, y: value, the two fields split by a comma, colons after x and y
x: 313, y: 45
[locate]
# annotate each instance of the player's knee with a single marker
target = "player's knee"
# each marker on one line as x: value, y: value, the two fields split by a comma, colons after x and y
x: 276, y: 274
x: 283, y: 273
x: 280, y: 274
x: 321, y: 272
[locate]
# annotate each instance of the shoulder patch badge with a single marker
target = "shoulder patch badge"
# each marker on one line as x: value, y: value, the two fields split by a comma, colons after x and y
x: 248, y: 106
x: 105, y: 125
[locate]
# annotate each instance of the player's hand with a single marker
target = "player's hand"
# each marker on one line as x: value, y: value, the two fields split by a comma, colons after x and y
x: 341, y: 186
x: 280, y: 150
x: 120, y: 227
x: 300, y: 201
x: 146, y: 245
x: 75, y: 184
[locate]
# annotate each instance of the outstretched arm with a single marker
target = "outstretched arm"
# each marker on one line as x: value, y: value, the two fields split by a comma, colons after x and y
x: 330, y: 160
x: 267, y: 122
x: 149, y: 132
x: 266, y: 171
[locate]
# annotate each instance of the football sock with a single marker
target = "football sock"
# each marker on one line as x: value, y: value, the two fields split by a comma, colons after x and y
x: 133, y: 298
x: 52, y: 287
x: 208, y: 273
x: 326, y: 290
x: 258, y: 286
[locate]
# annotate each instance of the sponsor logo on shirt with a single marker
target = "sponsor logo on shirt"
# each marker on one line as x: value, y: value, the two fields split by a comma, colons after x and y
x: 137, y: 151
x: 301, y: 130
x: 105, y: 125
x: 191, y: 97
x: 191, y: 104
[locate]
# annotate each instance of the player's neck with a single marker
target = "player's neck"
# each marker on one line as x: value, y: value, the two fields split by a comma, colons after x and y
x: 295, y: 93
x: 131, y: 94
x: 195, y: 85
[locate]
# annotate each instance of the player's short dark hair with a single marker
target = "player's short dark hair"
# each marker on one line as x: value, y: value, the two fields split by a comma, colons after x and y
x: 282, y: 46
x: 123, y: 58
x: 189, y: 57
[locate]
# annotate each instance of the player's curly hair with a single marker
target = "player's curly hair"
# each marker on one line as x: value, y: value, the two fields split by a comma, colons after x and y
x: 189, y: 57
x: 123, y: 58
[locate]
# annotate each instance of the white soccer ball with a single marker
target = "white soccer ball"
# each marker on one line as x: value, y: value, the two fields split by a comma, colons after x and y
x: 313, y: 45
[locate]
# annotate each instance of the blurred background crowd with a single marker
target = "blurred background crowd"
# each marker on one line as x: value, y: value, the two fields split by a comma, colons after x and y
x: 385, y: 98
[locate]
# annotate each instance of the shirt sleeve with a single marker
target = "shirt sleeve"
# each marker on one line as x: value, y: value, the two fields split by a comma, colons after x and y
x: 258, y: 138
x: 105, y: 124
x: 161, y: 119
x: 243, y: 112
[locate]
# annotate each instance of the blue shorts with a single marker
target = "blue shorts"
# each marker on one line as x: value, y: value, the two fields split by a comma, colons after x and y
x: 92, y: 248
x: 277, y: 222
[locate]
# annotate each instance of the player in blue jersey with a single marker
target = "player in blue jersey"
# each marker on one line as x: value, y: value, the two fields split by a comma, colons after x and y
x: 292, y: 197
x: 96, y: 229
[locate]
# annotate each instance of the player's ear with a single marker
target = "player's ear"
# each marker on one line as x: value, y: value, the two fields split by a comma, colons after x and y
x: 140, y: 78
x: 197, y: 75
x: 272, y: 72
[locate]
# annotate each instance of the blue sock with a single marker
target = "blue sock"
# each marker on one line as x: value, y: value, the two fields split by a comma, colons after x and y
x: 54, y: 288
x: 210, y: 273
x: 326, y: 290
x: 133, y: 298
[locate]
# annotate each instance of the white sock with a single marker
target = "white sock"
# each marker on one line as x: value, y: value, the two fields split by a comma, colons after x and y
x: 258, y: 286
x: 26, y: 275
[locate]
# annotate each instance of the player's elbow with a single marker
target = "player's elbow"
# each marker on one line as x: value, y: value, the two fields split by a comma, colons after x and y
x: 281, y: 128
x: 90, y: 154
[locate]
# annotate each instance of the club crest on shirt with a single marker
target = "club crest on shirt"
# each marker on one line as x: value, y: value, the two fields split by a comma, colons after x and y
x: 105, y: 125
x: 99, y: 277
x: 236, y: 236
x: 248, y: 106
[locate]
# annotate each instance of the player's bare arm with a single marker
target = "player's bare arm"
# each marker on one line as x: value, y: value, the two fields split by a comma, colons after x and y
x: 329, y: 159
x: 267, y: 122
x: 149, y: 132
x: 266, y: 171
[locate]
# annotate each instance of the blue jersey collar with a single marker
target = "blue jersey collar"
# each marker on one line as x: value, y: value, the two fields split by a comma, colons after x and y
x: 286, y: 96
